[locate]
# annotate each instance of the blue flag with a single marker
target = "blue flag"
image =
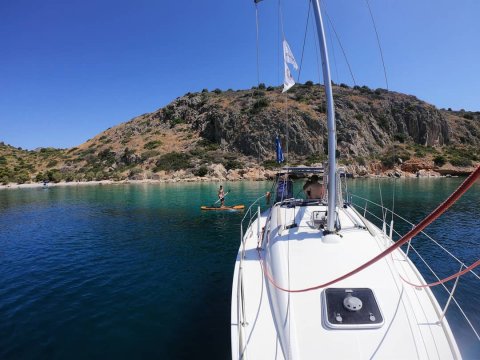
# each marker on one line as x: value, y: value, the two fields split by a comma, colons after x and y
x: 278, y: 147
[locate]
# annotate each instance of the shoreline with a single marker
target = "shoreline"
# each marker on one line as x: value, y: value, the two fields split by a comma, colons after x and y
x: 171, y: 181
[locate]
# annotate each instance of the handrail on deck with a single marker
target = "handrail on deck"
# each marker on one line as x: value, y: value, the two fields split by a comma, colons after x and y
x: 385, y: 210
x: 241, y: 314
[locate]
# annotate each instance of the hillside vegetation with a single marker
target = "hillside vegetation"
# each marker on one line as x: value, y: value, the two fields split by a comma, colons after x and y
x: 226, y: 134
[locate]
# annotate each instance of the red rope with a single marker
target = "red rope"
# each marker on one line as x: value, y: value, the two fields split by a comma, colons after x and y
x: 469, y: 181
x: 456, y: 275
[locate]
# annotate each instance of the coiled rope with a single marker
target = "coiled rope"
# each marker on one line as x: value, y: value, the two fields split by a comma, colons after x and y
x: 469, y: 181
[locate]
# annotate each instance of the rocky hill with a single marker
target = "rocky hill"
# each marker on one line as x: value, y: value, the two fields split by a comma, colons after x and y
x: 230, y: 135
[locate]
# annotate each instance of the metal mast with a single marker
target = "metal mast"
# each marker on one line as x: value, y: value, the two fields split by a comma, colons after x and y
x: 332, y: 137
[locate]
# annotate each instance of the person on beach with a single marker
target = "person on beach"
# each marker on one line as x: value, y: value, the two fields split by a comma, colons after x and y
x: 221, y: 196
x: 313, y: 189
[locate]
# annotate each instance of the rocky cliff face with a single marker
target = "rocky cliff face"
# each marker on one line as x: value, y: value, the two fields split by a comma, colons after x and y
x: 367, y: 121
x: 196, y: 133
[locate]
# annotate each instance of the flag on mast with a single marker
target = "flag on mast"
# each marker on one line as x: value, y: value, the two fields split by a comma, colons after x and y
x: 288, y: 58
x: 278, y: 148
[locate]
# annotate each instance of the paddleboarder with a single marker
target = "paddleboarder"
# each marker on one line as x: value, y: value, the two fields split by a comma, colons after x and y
x: 221, y: 196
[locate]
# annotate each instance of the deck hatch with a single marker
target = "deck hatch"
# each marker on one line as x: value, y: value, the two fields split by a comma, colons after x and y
x: 349, y: 308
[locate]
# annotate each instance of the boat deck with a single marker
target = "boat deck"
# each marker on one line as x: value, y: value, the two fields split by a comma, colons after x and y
x: 292, y: 325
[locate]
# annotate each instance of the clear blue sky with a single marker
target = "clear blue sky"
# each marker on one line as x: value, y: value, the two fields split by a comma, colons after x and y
x: 71, y: 69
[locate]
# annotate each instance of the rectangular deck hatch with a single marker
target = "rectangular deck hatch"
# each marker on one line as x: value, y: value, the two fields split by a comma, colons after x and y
x: 351, y: 308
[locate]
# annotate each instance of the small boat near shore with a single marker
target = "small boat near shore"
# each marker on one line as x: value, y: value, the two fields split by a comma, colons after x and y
x: 214, y: 208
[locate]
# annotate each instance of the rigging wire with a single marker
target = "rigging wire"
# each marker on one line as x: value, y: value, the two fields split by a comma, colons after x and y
x: 304, y: 40
x: 341, y: 47
x: 315, y: 41
x: 378, y: 42
x: 332, y: 45
x: 280, y: 14
x: 278, y: 43
x: 386, y: 83
x: 258, y: 50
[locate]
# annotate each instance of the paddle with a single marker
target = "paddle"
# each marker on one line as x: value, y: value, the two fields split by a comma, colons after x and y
x: 224, y: 196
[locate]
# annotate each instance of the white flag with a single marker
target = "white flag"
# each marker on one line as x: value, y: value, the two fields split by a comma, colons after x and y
x: 288, y: 81
x: 288, y: 55
x: 288, y: 58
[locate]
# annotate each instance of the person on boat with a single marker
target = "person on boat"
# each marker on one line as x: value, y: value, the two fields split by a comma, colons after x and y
x: 221, y: 196
x: 313, y: 189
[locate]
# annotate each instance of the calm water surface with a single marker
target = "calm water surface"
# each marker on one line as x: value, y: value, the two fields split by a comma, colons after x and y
x: 138, y: 271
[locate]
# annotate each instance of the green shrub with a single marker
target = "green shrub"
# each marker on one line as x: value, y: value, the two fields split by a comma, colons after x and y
x: 168, y: 112
x: 152, y: 144
x: 359, y: 117
x: 107, y: 156
x: 52, y: 163
x: 201, y: 171
x: 271, y: 164
x: 40, y: 177
x: 457, y: 161
x: 174, y: 161
x: 345, y: 86
x: 383, y: 122
x: 361, y: 161
x: 393, y: 157
x: 54, y: 176
x: 149, y: 154
x: 466, y: 152
x: 205, y: 91
x: 176, y: 121
x: 309, y: 83
x: 208, y: 145
x: 69, y: 177
x: 315, y: 159
x: 261, y: 86
x: 270, y: 88
x: 259, y: 105
x: 90, y: 176
x: 421, y: 153
x: 232, y: 164
x: 22, y: 178
x: 400, y: 137
x: 365, y: 90
x: 439, y: 160
x: 468, y: 116
x: 217, y: 91
x: 100, y: 175
x: 129, y: 157
x: 134, y: 171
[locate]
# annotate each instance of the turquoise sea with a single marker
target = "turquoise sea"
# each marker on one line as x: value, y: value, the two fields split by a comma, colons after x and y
x: 138, y: 271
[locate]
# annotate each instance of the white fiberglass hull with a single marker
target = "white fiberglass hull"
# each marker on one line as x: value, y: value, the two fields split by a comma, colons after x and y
x: 279, y: 325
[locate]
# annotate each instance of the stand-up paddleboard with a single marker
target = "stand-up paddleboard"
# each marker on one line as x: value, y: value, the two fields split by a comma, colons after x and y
x: 235, y: 207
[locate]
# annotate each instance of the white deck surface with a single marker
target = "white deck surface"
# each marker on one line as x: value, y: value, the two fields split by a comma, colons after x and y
x: 298, y: 258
